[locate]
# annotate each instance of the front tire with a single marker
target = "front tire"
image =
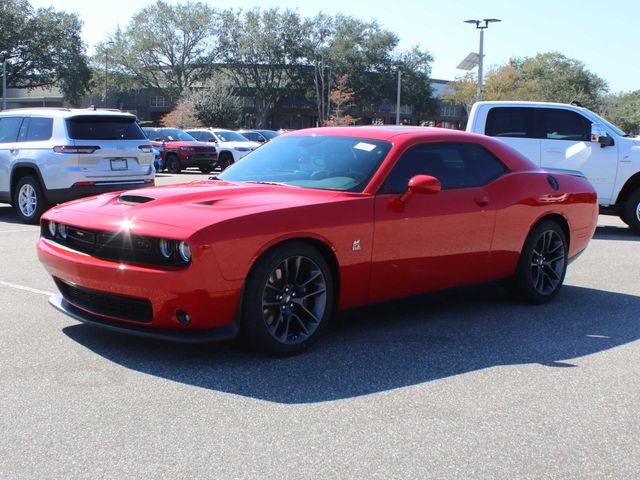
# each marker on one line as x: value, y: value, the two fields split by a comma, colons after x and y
x: 173, y: 164
x: 631, y: 215
x: 542, y: 265
x: 29, y: 200
x: 224, y: 160
x: 288, y: 300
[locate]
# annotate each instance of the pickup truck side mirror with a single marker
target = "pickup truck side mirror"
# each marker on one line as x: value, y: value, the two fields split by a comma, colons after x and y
x: 599, y: 134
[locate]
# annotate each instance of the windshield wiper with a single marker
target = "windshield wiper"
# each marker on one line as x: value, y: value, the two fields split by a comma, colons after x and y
x: 269, y: 183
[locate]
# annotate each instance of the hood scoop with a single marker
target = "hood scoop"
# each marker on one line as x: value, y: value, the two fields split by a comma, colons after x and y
x: 134, y: 199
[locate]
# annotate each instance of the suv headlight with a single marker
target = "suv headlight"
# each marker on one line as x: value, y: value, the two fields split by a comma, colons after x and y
x: 243, y: 149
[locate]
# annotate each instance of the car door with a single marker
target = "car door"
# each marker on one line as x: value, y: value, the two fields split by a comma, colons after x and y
x: 9, y: 151
x: 566, y: 145
x: 439, y: 240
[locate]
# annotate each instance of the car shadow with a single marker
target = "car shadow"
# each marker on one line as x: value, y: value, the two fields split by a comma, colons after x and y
x: 9, y: 215
x: 613, y: 232
x: 394, y: 345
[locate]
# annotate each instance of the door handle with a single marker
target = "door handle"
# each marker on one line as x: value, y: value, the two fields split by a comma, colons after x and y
x: 482, y: 201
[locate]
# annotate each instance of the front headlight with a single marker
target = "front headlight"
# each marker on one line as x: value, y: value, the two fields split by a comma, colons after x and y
x: 243, y: 149
x: 53, y: 228
x: 63, y: 231
x: 184, y: 251
x: 166, y: 248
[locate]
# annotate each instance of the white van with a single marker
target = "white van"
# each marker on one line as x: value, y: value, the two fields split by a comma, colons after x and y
x: 569, y: 138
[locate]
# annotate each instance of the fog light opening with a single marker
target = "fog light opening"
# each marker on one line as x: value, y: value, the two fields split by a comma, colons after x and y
x: 183, y: 317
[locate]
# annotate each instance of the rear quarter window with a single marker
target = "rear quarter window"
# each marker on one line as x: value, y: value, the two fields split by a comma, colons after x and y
x: 514, y: 122
x: 108, y: 127
x: 39, y: 129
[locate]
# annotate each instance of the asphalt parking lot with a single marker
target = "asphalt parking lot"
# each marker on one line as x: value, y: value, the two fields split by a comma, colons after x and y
x: 462, y: 384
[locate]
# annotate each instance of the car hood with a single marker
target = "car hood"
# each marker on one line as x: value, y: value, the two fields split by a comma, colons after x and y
x: 183, y: 207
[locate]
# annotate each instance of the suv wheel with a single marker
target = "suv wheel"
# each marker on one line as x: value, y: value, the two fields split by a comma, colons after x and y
x: 29, y: 200
x: 224, y: 160
x: 206, y: 169
x: 173, y: 163
x: 631, y: 215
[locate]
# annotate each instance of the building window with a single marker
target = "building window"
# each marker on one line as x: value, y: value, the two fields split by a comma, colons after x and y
x: 159, y: 101
x: 448, y: 110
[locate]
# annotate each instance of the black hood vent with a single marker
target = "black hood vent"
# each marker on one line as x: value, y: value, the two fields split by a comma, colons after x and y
x: 134, y: 199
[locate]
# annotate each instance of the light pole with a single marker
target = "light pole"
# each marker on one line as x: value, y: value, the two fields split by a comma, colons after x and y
x: 398, y: 96
x: 106, y: 71
x: 479, y: 26
x: 5, y: 56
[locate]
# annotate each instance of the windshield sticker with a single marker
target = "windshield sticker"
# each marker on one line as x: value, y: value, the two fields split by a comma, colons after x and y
x: 367, y: 147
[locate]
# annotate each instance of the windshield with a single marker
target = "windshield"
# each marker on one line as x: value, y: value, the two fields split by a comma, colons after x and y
x: 324, y: 162
x: 169, y: 135
x: 225, y: 136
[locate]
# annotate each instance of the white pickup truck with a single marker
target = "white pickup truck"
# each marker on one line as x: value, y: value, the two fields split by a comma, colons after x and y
x: 568, y: 138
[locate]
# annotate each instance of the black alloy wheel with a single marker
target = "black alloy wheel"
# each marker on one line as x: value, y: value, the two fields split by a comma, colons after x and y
x: 207, y: 168
x: 542, y: 265
x: 224, y: 160
x: 288, y: 299
x: 173, y: 163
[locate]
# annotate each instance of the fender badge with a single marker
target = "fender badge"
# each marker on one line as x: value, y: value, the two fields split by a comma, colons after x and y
x: 356, y: 245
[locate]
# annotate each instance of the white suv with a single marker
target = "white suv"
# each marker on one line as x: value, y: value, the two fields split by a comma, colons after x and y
x: 49, y: 156
x: 231, y: 145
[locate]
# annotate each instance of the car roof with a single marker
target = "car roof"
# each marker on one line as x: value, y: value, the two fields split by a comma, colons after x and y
x: 382, y: 132
x: 64, y: 112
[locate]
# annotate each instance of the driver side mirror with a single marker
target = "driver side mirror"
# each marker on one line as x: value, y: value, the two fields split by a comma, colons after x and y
x: 599, y: 134
x: 421, y: 184
x: 212, y: 140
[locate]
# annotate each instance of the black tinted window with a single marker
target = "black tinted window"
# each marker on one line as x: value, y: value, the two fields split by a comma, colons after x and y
x: 566, y: 125
x: 39, y: 128
x: 9, y: 127
x: 510, y: 122
x: 108, y: 127
x: 456, y: 165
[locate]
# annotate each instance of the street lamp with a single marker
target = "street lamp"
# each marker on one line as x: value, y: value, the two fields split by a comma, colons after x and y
x: 479, y: 26
x: 106, y: 71
x: 398, y: 96
x: 4, y: 56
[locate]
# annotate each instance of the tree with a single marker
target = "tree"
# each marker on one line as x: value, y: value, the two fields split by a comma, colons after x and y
x: 261, y: 49
x: 415, y: 67
x: 165, y: 47
x: 46, y: 47
x: 215, y: 104
x: 182, y: 116
x: 623, y: 110
x: 547, y: 77
x: 342, y: 98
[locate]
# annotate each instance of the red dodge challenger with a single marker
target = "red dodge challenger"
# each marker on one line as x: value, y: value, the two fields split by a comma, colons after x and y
x: 316, y: 220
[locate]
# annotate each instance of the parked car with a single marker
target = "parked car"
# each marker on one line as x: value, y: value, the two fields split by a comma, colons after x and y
x: 316, y: 220
x: 231, y: 145
x: 563, y: 137
x: 158, y: 161
x: 52, y: 155
x: 260, y: 136
x: 179, y: 150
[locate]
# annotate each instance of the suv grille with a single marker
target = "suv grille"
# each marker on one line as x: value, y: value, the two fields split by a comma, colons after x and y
x: 107, y: 304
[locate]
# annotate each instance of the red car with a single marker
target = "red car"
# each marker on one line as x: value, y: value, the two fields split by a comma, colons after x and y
x: 312, y: 221
x: 179, y: 150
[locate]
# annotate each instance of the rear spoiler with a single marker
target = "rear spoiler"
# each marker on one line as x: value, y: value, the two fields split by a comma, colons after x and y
x: 575, y: 173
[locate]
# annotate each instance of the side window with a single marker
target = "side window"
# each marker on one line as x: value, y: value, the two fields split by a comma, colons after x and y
x: 9, y: 128
x: 515, y: 122
x: 456, y: 165
x: 40, y: 128
x: 565, y: 125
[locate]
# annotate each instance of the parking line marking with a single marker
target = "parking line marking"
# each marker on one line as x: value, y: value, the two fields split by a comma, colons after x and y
x: 26, y: 289
x: 22, y: 230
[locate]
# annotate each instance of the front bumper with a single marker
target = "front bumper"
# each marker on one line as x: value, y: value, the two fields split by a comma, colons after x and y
x: 210, y: 301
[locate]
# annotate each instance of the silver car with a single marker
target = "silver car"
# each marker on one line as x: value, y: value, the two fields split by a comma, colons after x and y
x: 49, y: 156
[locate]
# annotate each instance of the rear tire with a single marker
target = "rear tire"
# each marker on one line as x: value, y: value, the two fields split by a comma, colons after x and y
x: 542, y: 265
x: 173, y: 163
x: 288, y: 299
x: 29, y: 200
x: 206, y: 169
x: 631, y: 215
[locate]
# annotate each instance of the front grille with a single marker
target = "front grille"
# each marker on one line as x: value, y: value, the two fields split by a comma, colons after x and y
x: 114, y: 246
x: 107, y: 304
x: 209, y: 150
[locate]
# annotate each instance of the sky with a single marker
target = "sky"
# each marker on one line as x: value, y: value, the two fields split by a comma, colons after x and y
x: 604, y: 36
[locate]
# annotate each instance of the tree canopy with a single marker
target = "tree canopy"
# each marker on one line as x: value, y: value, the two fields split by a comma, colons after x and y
x: 46, y: 48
